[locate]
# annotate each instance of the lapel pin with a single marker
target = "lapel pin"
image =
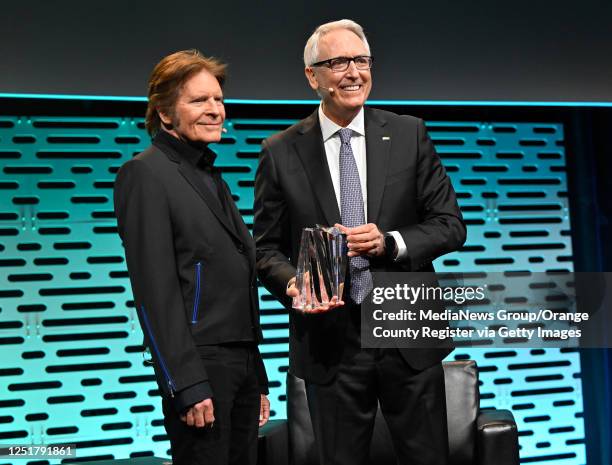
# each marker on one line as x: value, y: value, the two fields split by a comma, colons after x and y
x: 386, y: 137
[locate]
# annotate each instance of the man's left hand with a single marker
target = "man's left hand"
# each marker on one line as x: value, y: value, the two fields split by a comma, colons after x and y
x: 264, y: 410
x: 366, y: 239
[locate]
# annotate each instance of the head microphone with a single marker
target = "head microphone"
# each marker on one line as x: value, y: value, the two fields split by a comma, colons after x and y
x: 331, y: 90
x: 223, y: 130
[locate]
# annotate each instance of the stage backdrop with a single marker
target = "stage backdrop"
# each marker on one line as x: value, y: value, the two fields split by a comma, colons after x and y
x: 72, y: 369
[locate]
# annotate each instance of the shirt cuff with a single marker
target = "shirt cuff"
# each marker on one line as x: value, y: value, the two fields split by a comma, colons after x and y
x: 402, y: 251
x: 184, y: 399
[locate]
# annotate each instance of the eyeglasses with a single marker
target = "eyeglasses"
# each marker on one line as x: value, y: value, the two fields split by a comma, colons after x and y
x: 340, y: 64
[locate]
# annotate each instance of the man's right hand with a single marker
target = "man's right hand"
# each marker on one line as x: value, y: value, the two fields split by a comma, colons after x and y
x: 292, y: 291
x: 200, y: 414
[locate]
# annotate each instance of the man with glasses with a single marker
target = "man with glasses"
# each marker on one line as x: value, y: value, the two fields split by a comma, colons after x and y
x: 376, y: 176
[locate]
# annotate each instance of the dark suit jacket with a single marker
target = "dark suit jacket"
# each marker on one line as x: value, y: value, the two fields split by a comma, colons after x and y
x: 192, y: 268
x: 408, y: 191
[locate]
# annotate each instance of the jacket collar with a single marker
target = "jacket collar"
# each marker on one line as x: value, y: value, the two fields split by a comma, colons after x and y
x: 179, y: 150
x: 311, y: 151
x: 378, y: 147
x: 187, y: 157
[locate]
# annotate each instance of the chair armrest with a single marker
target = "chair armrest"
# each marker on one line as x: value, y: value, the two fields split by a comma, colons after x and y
x: 272, y: 443
x: 496, y: 438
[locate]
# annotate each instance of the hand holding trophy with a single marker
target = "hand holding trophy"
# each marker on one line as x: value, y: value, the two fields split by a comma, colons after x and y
x: 319, y: 283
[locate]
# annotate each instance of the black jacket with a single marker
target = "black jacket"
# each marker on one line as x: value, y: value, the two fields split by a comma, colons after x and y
x: 192, y: 267
x: 408, y: 191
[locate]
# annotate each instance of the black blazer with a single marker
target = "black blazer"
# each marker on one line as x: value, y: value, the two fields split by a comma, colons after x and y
x: 192, y: 268
x: 408, y: 191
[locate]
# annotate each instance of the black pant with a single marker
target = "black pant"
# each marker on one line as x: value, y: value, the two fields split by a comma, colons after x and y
x: 236, y: 401
x: 412, y: 402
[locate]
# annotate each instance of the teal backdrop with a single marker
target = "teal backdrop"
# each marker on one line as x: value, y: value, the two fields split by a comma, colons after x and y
x: 72, y: 369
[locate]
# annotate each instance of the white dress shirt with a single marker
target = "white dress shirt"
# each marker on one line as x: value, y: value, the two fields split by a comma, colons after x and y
x: 331, y: 141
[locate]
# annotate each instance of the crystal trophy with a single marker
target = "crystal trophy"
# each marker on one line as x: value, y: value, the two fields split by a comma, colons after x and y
x: 321, y: 267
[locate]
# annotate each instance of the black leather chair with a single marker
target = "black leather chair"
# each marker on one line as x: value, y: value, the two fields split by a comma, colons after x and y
x: 475, y: 437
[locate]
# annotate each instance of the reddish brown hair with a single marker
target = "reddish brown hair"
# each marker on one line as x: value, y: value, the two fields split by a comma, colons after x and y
x: 167, y: 79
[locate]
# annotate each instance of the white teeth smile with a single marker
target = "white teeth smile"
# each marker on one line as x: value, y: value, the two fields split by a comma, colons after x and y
x: 351, y: 88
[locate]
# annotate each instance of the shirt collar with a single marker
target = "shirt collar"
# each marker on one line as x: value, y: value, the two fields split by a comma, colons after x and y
x: 195, y: 153
x: 329, y: 128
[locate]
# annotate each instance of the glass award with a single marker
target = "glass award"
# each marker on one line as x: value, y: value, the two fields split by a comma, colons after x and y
x: 321, y: 267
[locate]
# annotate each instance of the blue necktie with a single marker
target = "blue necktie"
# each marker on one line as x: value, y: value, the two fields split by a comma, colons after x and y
x: 352, y: 214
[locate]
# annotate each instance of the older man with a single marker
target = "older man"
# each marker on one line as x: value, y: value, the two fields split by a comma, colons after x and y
x: 191, y: 262
x: 377, y: 176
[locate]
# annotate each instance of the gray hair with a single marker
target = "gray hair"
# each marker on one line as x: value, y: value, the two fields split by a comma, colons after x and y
x: 311, y: 51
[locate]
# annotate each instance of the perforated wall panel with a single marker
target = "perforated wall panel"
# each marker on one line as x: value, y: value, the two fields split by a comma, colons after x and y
x: 71, y: 368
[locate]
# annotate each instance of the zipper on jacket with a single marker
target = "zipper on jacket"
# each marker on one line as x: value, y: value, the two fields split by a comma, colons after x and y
x: 171, y: 384
x: 196, y: 297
